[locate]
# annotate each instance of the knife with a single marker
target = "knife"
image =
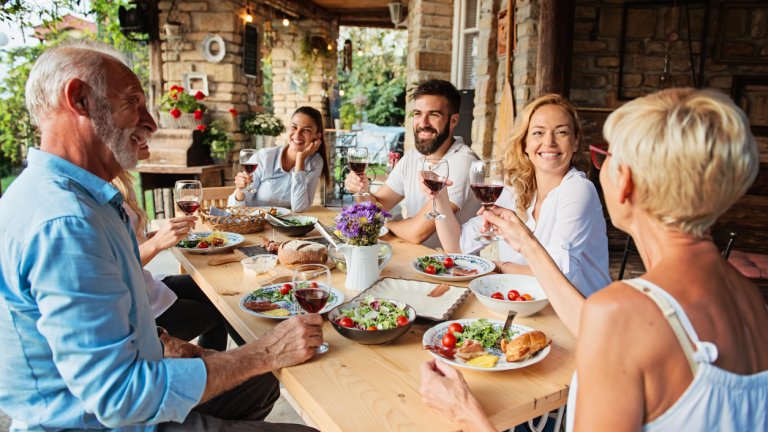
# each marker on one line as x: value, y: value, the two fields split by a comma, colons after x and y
x: 327, y: 232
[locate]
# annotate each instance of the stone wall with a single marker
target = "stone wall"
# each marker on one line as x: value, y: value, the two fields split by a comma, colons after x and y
x: 486, y: 88
x: 597, y: 45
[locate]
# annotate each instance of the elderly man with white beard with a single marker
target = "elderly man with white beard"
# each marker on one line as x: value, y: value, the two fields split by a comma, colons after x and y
x: 80, y: 347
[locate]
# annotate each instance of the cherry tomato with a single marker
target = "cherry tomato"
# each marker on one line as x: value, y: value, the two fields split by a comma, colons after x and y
x: 497, y: 295
x: 286, y: 288
x: 372, y: 327
x: 448, y: 262
x: 455, y: 328
x: 527, y: 297
x: 402, y: 320
x: 430, y: 269
x: 313, y: 284
x: 346, y: 322
x: 513, y: 294
x: 449, y: 340
x: 203, y: 245
x: 521, y: 298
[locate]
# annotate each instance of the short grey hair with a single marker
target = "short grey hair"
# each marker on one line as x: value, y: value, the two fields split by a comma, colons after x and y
x: 82, y: 59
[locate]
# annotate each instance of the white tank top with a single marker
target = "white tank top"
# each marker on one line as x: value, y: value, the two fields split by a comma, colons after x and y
x: 716, y: 400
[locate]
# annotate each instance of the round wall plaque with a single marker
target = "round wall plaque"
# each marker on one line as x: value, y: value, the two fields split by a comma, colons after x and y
x: 214, y: 48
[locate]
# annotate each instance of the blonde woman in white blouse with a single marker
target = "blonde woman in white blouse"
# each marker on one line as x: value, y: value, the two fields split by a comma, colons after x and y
x: 555, y: 200
x: 288, y: 175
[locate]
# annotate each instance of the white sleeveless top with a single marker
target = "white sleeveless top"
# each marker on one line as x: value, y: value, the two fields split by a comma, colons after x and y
x: 716, y: 400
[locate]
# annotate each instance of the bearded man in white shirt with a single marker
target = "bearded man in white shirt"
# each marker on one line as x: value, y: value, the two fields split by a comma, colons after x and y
x: 435, y: 116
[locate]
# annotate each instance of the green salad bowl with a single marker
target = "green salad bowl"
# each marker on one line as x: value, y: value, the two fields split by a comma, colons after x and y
x: 370, y: 337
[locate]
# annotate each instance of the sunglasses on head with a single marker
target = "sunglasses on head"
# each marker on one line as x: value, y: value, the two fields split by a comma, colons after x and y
x: 599, y: 155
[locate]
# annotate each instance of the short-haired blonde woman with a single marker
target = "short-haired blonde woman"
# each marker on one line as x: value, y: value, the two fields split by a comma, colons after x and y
x: 684, y: 347
x: 554, y: 199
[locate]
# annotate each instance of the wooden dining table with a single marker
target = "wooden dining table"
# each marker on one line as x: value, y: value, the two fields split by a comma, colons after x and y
x: 356, y: 387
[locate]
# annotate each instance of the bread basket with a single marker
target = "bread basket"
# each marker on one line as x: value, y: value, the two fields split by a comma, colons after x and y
x: 241, y: 220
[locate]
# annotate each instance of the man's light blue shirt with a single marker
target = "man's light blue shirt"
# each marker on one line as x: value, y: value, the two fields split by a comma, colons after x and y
x: 79, y: 343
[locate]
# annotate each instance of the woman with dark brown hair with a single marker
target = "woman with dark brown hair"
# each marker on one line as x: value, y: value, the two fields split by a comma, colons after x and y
x: 288, y: 175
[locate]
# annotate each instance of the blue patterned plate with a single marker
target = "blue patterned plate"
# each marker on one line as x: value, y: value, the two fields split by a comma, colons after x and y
x: 336, y: 298
x: 461, y: 262
x: 233, y: 239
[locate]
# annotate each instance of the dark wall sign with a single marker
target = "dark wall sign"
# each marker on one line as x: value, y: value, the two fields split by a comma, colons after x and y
x: 251, y: 61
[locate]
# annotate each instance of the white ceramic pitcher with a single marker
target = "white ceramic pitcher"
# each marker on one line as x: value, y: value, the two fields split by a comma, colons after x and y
x: 362, y: 263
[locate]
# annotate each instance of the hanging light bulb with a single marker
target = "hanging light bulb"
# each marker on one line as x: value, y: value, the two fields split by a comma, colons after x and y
x: 286, y: 22
x: 330, y: 46
x: 341, y: 92
x: 248, y: 15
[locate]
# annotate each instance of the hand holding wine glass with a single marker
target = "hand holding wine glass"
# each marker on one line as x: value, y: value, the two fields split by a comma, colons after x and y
x: 357, y: 159
x: 312, y: 288
x: 434, y: 174
x: 249, y: 163
x: 188, y: 195
x: 486, y: 178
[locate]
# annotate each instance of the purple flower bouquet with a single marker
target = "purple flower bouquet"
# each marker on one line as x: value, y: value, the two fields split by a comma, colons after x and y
x: 359, y: 224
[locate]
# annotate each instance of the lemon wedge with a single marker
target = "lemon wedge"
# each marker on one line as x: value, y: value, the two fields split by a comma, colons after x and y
x: 486, y: 361
x: 277, y: 312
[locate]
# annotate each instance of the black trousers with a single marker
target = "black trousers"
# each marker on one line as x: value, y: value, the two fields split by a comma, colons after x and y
x: 240, y: 409
x: 193, y: 315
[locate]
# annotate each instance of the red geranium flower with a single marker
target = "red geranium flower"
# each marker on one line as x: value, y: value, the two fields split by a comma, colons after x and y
x: 198, y: 114
x: 201, y: 127
x: 233, y: 112
x: 176, y: 113
x: 199, y: 95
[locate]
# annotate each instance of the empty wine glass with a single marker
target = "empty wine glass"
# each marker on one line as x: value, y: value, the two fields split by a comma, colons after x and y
x: 312, y: 288
x: 486, y: 178
x: 188, y: 195
x: 357, y: 159
x: 249, y: 163
x: 434, y: 173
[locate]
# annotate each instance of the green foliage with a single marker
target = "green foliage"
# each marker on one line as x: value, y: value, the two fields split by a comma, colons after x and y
x: 16, y: 130
x: 377, y: 77
x: 216, y: 137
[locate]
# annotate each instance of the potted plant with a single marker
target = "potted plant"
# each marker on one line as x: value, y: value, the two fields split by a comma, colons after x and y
x: 181, y: 110
x: 263, y: 128
x: 215, y: 137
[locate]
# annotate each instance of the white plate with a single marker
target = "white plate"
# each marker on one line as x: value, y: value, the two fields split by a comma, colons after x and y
x: 281, y: 211
x: 482, y: 265
x: 383, y: 231
x: 336, y: 298
x: 414, y: 293
x: 434, y: 336
x: 233, y: 239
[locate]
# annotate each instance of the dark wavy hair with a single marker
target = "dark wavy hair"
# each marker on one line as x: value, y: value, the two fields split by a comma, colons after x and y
x: 317, y: 117
x: 438, y: 87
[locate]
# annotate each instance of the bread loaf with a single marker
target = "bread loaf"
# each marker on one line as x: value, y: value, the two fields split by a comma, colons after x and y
x: 524, y: 346
x: 294, y: 253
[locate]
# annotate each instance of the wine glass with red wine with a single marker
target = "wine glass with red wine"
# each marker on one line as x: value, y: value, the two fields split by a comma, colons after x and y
x: 249, y: 163
x: 312, y: 288
x: 486, y: 178
x: 188, y: 195
x: 357, y: 159
x: 434, y: 173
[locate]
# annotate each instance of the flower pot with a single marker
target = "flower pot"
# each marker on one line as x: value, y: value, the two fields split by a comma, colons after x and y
x: 185, y: 121
x: 262, y: 141
x: 363, y: 265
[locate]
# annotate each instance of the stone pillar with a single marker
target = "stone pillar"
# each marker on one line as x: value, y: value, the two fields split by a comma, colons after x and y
x: 487, y: 89
x: 524, y: 62
x: 301, y: 76
x: 430, y: 38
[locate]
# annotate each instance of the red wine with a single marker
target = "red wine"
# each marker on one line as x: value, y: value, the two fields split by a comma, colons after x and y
x: 250, y: 168
x: 311, y: 300
x: 434, y: 182
x: 358, y: 167
x: 487, y: 193
x: 188, y: 207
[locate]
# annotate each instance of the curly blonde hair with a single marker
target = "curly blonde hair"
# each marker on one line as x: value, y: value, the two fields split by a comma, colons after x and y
x: 519, y: 168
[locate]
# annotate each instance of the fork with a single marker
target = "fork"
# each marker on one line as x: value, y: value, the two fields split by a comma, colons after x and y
x: 510, y: 316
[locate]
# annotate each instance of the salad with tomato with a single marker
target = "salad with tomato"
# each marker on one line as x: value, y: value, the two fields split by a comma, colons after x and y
x: 283, y: 292
x: 435, y: 266
x: 374, y: 314
x: 483, y: 331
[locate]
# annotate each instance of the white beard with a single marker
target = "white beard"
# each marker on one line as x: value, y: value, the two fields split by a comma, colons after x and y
x: 117, y: 140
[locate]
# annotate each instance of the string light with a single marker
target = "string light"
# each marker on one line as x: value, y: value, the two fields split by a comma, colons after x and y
x: 286, y: 23
x: 341, y: 92
x: 330, y: 46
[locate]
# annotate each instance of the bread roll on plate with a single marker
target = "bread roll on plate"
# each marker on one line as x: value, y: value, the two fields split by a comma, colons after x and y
x: 294, y: 253
x: 524, y: 346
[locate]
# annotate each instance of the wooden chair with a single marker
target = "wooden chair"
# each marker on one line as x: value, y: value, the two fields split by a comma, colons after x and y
x: 216, y: 196
x: 629, y: 247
